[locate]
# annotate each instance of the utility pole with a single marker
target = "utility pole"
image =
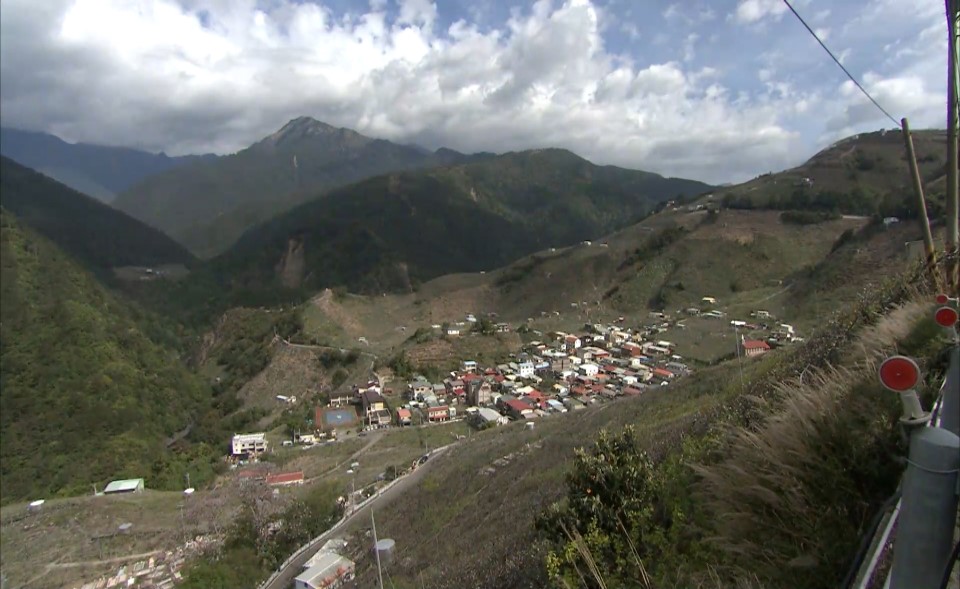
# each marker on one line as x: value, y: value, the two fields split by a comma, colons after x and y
x: 375, y: 547
x: 736, y: 338
x: 953, y: 266
x: 931, y: 253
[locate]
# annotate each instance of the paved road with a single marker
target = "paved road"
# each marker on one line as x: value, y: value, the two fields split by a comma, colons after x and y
x: 286, y: 576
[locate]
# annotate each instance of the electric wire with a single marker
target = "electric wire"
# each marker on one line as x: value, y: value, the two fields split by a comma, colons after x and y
x: 837, y: 61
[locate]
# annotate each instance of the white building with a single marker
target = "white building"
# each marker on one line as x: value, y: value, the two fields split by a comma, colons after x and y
x: 589, y: 369
x: 329, y: 571
x: 525, y: 369
x: 248, y: 444
x: 487, y: 415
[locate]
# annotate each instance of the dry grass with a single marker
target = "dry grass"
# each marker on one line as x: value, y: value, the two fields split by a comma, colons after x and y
x: 292, y: 372
x: 66, y: 531
x: 795, y: 491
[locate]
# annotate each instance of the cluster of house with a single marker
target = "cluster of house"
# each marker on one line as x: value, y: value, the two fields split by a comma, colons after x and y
x: 327, y: 568
x: 459, y: 328
x: 778, y: 333
x: 567, y: 374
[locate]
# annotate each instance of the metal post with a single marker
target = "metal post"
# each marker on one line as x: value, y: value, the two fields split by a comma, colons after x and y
x: 952, y: 124
x: 950, y: 405
x: 375, y: 548
x: 929, y: 511
x: 736, y: 337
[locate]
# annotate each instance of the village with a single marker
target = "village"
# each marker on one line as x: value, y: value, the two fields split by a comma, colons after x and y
x: 558, y: 373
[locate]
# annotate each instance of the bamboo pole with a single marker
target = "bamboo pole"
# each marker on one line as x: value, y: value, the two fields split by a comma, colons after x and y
x: 928, y: 248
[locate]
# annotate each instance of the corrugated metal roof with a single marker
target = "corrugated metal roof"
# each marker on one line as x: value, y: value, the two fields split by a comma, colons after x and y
x: 330, y: 565
x: 123, y: 486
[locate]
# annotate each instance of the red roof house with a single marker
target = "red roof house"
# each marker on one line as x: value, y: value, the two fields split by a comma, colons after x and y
x: 285, y: 478
x: 663, y: 373
x: 518, y: 408
x: 439, y: 413
x: 753, y: 347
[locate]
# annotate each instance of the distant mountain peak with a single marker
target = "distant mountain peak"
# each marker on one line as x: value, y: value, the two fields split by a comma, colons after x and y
x: 307, y: 128
x: 308, y: 125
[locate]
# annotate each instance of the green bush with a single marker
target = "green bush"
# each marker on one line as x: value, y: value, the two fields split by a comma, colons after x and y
x: 807, y: 217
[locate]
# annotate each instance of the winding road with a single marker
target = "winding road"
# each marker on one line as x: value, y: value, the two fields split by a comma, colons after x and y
x: 286, y: 575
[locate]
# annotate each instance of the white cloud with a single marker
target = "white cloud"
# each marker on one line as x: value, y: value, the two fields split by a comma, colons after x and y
x: 909, y: 78
x: 752, y: 11
x: 823, y: 33
x: 217, y: 75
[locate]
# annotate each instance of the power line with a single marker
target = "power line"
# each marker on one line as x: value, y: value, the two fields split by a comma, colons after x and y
x: 849, y: 75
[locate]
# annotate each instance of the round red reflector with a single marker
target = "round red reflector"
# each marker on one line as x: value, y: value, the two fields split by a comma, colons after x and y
x: 899, y: 373
x: 942, y: 299
x: 946, y: 316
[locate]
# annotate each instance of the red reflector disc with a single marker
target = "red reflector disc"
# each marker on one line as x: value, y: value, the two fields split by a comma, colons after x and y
x: 942, y: 299
x: 899, y: 373
x: 946, y: 316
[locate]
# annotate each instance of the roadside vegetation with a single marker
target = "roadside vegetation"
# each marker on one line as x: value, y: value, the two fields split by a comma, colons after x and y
x: 818, y: 452
x: 260, y: 540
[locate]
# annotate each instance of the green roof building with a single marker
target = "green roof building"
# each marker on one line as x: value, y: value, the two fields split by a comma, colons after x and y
x: 125, y: 486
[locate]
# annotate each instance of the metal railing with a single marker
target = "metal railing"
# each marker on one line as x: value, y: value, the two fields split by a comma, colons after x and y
x: 881, y: 538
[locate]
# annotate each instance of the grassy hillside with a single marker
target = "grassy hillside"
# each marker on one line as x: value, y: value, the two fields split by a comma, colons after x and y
x: 97, y: 170
x: 85, y: 395
x: 94, y: 233
x: 861, y: 175
x: 208, y: 206
x: 748, y: 260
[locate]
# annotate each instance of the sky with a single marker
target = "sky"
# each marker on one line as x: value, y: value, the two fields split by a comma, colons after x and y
x: 715, y: 90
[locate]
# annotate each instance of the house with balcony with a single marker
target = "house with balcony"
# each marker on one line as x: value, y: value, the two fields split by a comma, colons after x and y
x: 248, y: 444
x: 438, y: 413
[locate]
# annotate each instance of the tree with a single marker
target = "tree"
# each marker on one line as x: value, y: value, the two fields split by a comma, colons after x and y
x: 484, y: 326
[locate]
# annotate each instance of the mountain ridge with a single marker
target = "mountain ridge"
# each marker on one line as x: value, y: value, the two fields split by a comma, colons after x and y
x: 86, y: 395
x: 93, y: 232
x: 99, y: 171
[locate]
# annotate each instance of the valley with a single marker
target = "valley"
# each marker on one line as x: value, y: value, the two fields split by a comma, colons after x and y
x: 323, y: 310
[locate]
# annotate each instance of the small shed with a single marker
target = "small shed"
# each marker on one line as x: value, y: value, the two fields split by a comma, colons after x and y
x: 124, y: 486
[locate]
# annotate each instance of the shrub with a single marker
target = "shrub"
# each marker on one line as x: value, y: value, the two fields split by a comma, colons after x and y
x: 844, y: 238
x: 807, y: 217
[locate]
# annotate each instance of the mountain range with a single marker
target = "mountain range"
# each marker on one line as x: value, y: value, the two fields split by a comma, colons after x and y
x: 207, y: 206
x: 96, y: 170
x: 391, y: 232
x: 90, y: 389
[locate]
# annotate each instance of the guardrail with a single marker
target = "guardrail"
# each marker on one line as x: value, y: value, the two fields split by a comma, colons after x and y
x: 343, y: 519
x: 921, y: 554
